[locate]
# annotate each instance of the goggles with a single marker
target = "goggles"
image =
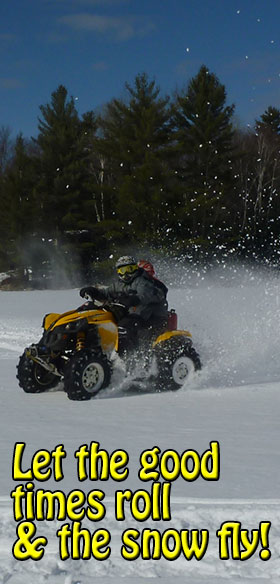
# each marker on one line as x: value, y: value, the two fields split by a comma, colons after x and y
x: 127, y: 269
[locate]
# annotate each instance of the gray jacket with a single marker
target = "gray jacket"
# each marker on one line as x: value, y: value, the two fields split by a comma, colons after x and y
x: 153, y: 302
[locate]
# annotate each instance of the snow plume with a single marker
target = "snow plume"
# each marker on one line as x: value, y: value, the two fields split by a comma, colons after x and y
x: 49, y: 264
x: 233, y: 313
x: 232, y: 310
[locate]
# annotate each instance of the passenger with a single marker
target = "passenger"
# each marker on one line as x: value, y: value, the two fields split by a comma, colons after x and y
x: 149, y: 268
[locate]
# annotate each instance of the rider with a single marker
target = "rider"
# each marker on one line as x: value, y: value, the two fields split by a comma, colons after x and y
x: 145, y: 301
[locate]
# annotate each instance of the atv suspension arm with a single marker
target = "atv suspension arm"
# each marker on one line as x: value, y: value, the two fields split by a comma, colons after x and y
x: 32, y: 354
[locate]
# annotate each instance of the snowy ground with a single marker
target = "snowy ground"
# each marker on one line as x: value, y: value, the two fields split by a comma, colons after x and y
x: 234, y: 316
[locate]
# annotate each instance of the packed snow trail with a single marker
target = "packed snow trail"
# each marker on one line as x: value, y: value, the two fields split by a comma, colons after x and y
x: 234, y: 318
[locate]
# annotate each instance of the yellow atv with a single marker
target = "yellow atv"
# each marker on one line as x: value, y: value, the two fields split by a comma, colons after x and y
x: 77, y: 348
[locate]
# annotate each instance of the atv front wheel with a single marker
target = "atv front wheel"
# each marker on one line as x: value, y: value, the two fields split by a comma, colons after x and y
x: 87, y: 373
x: 33, y: 378
x: 176, y: 363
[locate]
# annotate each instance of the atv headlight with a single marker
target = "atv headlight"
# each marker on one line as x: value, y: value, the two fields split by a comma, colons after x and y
x: 73, y: 327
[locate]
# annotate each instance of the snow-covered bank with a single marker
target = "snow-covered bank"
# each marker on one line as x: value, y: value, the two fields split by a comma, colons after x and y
x: 235, y: 400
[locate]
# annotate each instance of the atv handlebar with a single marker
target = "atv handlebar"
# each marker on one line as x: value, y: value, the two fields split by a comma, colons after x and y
x: 92, y: 293
x: 118, y: 309
x: 95, y: 300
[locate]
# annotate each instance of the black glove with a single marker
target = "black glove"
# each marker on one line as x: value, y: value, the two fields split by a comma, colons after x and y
x: 92, y: 292
x: 129, y: 300
x: 118, y: 310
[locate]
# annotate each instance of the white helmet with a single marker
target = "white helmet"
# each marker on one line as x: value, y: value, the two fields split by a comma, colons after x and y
x: 127, y: 268
x: 125, y: 261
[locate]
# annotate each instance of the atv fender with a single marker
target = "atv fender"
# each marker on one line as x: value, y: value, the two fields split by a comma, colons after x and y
x: 170, y: 334
x: 50, y: 319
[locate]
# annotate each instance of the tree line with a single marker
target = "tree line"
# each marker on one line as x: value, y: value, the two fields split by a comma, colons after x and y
x: 172, y: 173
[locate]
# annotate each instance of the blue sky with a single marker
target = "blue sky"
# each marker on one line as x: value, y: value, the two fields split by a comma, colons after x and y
x: 94, y: 46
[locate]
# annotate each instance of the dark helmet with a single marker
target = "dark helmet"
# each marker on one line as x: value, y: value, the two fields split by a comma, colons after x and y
x: 148, y: 267
x: 127, y: 268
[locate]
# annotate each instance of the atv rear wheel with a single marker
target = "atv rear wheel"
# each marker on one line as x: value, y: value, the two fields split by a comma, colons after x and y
x: 87, y: 373
x: 33, y: 378
x: 176, y: 363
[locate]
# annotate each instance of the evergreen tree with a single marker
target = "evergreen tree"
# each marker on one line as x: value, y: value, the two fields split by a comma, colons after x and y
x: 20, y: 182
x: 136, y: 134
x: 204, y: 150
x: 18, y: 210
x: 61, y: 163
x: 65, y: 186
x: 6, y: 243
x: 5, y: 148
x: 270, y: 121
x: 21, y: 179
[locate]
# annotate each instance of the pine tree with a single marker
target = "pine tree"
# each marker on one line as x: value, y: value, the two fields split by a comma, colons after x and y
x: 136, y: 135
x: 203, y: 132
x: 20, y: 182
x: 18, y: 203
x: 60, y: 162
x: 5, y: 148
x: 6, y: 236
x: 270, y: 121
